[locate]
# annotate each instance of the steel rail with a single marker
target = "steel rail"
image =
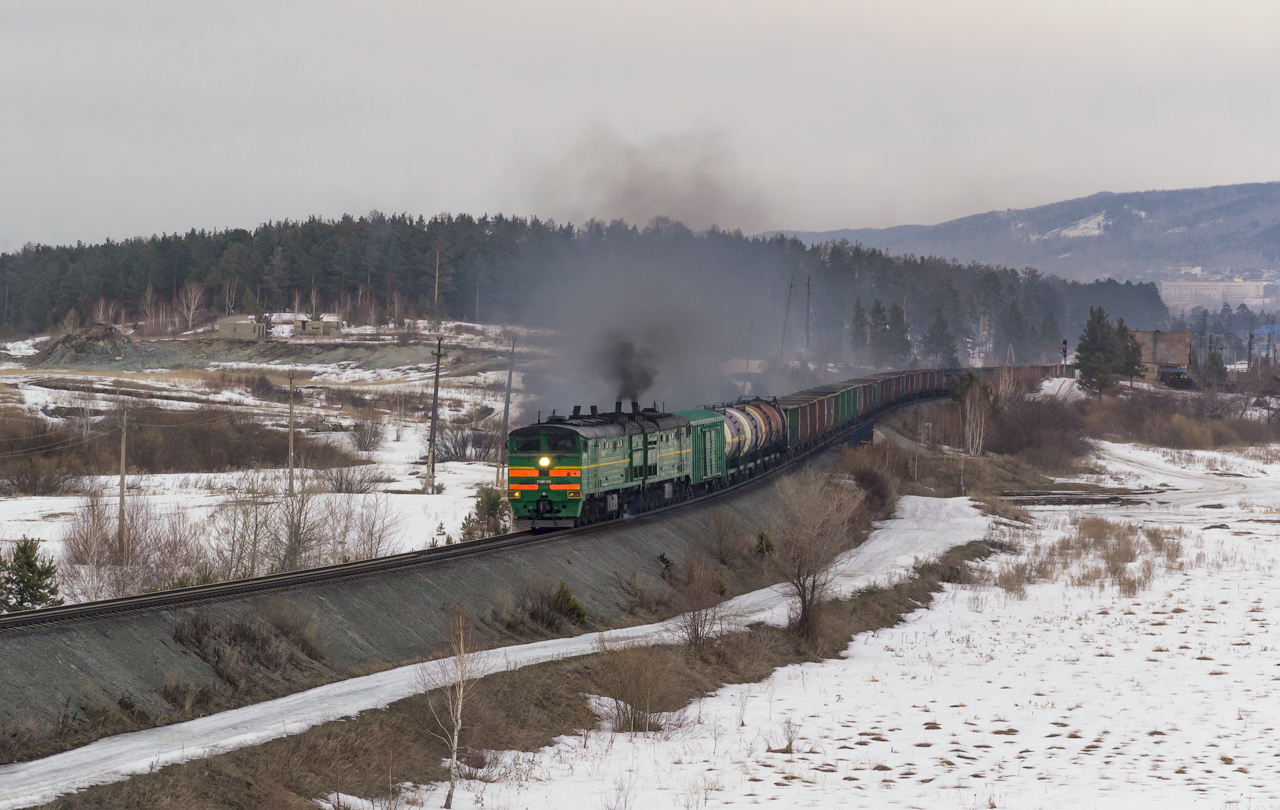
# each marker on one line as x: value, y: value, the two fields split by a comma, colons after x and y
x: 221, y: 591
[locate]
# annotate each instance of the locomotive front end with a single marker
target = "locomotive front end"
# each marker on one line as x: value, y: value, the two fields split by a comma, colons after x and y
x: 544, y: 476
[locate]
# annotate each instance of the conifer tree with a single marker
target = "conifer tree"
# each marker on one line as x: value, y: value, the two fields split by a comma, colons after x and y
x: 1127, y: 353
x: 877, y: 336
x: 27, y: 582
x: 1094, y: 353
x: 858, y: 336
x: 940, y: 343
x: 1215, y: 370
x: 897, y: 343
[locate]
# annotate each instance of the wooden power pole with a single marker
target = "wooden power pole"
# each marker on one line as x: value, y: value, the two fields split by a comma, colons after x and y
x: 782, y: 344
x: 291, y: 434
x: 435, y: 301
x: 124, y: 427
x: 807, y: 281
x: 506, y: 419
x: 430, y: 485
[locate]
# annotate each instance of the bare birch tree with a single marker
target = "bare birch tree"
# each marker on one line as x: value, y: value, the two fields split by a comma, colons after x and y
x: 191, y: 303
x: 698, y: 598
x: 448, y: 682
x: 813, y: 523
x: 973, y: 408
x: 147, y: 308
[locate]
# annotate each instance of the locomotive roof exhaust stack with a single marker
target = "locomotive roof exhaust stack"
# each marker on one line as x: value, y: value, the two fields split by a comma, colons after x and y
x: 635, y: 407
x: 577, y: 411
x: 617, y: 406
x: 594, y: 412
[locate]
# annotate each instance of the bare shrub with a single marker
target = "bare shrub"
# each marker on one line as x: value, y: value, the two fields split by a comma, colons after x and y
x: 39, y: 475
x: 158, y: 550
x: 636, y: 679
x: 241, y: 527
x: 1012, y: 578
x: 550, y: 606
x: 813, y: 525
x: 296, y: 532
x: 480, y: 442
x: 729, y: 540
x: 368, y: 430
x: 358, y: 527
x: 357, y: 479
x: 699, y: 591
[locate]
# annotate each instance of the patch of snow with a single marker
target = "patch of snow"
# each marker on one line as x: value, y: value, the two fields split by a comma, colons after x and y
x: 1093, y: 225
x: 1063, y: 388
x: 25, y: 348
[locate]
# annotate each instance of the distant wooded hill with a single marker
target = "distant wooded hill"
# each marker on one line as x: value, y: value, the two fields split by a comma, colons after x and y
x: 1138, y: 235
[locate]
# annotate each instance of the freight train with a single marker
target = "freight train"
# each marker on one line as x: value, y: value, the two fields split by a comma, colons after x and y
x: 578, y: 469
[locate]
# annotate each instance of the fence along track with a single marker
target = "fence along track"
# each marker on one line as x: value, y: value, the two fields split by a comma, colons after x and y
x: 221, y: 591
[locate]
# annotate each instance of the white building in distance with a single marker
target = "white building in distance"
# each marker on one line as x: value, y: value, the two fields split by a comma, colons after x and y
x: 1182, y: 295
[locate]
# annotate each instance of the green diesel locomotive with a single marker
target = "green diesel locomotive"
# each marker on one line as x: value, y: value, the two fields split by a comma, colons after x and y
x: 573, y: 470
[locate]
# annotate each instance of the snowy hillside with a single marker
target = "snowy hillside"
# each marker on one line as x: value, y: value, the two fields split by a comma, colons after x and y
x: 1137, y: 236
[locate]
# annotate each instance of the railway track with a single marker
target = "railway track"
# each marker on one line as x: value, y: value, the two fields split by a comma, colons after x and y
x: 221, y: 591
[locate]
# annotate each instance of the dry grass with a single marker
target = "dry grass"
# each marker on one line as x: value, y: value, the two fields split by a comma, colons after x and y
x: 1095, y: 552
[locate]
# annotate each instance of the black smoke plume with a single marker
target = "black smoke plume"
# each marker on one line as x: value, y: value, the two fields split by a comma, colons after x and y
x: 629, y: 369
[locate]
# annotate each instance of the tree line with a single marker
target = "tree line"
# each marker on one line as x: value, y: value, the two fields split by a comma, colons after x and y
x: 885, y: 310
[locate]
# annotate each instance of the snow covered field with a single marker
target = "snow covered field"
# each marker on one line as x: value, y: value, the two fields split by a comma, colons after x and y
x: 1074, y: 695
x: 420, y: 518
x: 1071, y: 697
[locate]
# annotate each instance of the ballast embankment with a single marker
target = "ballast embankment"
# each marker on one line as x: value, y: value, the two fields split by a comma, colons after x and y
x: 169, y: 663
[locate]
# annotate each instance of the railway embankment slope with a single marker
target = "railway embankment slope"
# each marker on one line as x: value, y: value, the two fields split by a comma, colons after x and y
x: 163, y: 664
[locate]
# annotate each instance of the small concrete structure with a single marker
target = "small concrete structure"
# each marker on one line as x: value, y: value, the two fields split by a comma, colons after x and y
x: 316, y: 327
x: 1164, y: 354
x: 242, y: 330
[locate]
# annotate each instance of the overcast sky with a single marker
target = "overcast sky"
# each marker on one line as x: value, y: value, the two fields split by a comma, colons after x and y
x: 120, y: 119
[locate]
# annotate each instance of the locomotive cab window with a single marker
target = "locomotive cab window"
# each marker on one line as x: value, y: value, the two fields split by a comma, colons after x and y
x: 562, y: 444
x: 526, y: 444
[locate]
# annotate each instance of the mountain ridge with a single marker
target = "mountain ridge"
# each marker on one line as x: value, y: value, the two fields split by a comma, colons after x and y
x: 1136, y: 235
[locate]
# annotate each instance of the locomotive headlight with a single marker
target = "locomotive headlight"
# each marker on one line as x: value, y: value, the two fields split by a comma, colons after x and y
x: 544, y: 462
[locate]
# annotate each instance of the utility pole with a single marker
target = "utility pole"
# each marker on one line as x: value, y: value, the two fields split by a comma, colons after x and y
x: 506, y: 416
x: 124, y: 427
x: 435, y: 302
x: 782, y: 344
x: 430, y: 484
x: 477, y: 297
x: 750, y: 328
x: 291, y: 434
x: 807, y: 281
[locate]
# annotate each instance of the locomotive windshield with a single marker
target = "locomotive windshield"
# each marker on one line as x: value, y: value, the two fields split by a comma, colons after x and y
x: 526, y: 444
x: 562, y: 443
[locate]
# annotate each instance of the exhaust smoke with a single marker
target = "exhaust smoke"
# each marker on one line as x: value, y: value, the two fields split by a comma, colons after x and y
x: 629, y: 369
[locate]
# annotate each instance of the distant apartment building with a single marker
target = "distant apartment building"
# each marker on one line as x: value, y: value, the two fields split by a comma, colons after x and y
x: 1183, y: 295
